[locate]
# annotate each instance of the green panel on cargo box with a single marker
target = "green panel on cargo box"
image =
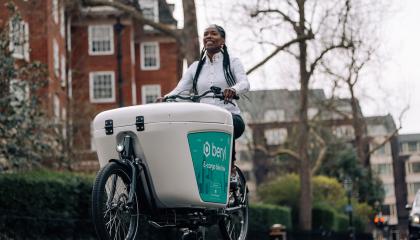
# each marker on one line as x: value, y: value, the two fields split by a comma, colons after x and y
x: 210, y: 153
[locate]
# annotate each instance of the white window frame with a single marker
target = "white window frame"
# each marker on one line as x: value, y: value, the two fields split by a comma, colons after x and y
x: 56, y: 58
x: 91, y: 79
x: 111, y: 39
x: 157, y: 56
x: 54, y: 9
x: 155, y: 88
x: 23, y: 36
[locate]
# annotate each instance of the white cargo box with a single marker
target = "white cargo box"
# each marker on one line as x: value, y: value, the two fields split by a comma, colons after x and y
x: 186, y: 146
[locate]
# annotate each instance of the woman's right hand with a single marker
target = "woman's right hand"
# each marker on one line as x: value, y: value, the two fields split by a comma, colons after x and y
x: 160, y: 99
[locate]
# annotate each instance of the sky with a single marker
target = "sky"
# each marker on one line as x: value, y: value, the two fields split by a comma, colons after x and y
x: 397, y: 85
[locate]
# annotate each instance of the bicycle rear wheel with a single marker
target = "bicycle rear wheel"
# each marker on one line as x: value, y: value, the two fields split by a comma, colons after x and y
x: 235, y: 225
x: 112, y: 217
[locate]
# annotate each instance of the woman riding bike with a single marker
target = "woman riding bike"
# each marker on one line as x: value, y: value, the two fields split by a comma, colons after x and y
x: 216, y: 68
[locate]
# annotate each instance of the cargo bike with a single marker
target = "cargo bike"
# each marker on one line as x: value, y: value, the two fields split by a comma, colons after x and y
x: 168, y: 165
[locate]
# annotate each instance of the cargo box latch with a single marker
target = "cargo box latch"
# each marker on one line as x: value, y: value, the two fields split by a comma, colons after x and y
x: 109, y: 127
x: 140, y: 123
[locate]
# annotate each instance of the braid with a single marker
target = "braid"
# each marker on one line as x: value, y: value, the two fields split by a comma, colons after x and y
x: 201, y: 62
x: 226, y: 67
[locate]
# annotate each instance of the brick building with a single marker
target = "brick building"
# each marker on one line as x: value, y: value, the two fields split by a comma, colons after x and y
x: 98, y: 58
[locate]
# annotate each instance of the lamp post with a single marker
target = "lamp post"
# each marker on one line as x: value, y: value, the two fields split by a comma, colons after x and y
x: 348, y: 186
x: 118, y: 27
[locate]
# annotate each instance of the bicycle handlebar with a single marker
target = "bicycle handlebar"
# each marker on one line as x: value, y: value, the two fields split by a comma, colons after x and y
x: 196, y: 98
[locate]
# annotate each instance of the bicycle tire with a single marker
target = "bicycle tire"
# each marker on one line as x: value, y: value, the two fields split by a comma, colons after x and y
x: 227, y: 224
x: 109, y: 214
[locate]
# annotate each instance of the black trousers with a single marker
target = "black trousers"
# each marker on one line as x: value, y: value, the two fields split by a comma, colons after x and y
x: 238, y: 130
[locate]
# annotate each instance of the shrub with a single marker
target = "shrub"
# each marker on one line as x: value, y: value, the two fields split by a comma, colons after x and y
x: 263, y: 216
x: 45, y: 204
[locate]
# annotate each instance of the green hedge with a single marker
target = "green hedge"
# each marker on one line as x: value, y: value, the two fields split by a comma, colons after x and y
x: 263, y: 216
x: 49, y: 205
x: 44, y: 204
x: 323, y: 217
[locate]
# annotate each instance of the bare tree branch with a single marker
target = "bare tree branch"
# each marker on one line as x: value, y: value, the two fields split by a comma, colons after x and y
x: 321, y: 154
x: 277, y: 151
x: 278, y: 49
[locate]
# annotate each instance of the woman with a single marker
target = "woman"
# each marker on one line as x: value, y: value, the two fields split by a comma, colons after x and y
x: 216, y: 68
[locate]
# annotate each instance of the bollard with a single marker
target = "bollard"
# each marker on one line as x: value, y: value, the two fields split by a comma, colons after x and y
x: 277, y: 232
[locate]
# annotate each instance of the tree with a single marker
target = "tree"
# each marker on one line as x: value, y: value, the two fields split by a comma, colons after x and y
x: 319, y: 32
x: 187, y: 38
x: 27, y: 137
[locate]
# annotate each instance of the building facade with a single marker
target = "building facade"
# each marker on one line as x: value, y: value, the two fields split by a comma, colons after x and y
x: 97, y: 58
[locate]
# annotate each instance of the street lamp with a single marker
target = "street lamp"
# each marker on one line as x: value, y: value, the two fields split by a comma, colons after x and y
x: 348, y: 186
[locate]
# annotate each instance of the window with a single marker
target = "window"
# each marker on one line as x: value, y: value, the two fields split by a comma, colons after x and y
x: 413, y: 187
x: 274, y: 116
x: 343, y: 131
x: 150, y: 56
x: 63, y: 71
x: 150, y: 10
x: 149, y: 93
x: 382, y: 169
x: 275, y: 136
x: 101, y: 40
x: 62, y: 21
x: 412, y: 146
x: 54, y: 8
x: 19, y: 92
x: 56, y: 58
x: 56, y: 108
x: 102, y: 87
x: 312, y: 112
x: 389, y: 190
x: 413, y: 167
x: 19, y: 39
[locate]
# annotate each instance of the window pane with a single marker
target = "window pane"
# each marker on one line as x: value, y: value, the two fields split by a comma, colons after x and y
x: 150, y: 93
x: 101, y: 38
x: 102, y: 86
x: 415, y: 167
x: 150, y: 56
x: 412, y: 146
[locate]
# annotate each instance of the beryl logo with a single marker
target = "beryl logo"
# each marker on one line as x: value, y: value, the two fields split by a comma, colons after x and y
x: 217, y: 152
x: 206, y: 149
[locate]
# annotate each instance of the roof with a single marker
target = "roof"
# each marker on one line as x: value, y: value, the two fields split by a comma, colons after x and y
x: 409, y: 137
x: 386, y: 120
x: 256, y: 103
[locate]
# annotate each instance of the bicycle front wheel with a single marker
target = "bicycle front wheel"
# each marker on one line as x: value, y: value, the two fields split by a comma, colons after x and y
x: 235, y: 225
x: 112, y: 216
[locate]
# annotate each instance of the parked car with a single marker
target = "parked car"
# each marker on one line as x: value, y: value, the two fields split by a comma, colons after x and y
x: 414, y: 218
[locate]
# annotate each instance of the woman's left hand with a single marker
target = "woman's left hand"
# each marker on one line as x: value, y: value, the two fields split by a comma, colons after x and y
x: 229, y: 93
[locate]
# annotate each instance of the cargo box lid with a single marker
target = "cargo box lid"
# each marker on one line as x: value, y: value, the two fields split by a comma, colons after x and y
x: 164, y: 112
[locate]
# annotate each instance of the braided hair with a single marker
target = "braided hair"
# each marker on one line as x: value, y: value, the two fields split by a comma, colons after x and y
x: 230, y: 79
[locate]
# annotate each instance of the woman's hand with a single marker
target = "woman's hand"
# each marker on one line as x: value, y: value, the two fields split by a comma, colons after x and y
x: 229, y: 93
x: 160, y: 99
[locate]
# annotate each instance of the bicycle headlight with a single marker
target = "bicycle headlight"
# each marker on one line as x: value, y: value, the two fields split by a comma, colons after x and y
x: 120, y: 148
x: 415, y: 219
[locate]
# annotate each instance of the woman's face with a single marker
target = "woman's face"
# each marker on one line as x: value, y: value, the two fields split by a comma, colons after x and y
x: 212, y: 39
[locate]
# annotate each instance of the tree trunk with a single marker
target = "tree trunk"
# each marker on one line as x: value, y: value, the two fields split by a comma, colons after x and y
x: 359, y: 128
x: 305, y: 197
x: 190, y: 43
